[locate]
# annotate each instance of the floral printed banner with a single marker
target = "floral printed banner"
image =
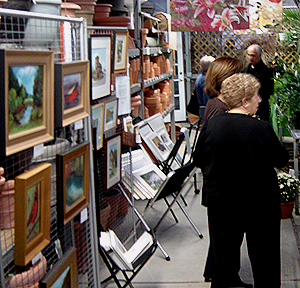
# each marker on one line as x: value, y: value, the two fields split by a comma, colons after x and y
x: 209, y: 15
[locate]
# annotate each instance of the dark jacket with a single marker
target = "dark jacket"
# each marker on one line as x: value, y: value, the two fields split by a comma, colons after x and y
x: 237, y: 155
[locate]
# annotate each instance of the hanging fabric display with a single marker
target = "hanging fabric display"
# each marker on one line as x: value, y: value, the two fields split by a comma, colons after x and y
x: 209, y: 15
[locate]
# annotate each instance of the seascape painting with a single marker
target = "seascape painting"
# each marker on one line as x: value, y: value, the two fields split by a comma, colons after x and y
x: 74, y: 175
x: 64, y: 280
x: 72, y: 90
x: 25, y: 98
x: 33, y: 211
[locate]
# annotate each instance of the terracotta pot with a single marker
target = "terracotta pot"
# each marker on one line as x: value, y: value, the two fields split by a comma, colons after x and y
x: 69, y: 9
x: 31, y: 277
x: 287, y: 209
x: 86, y: 5
x: 136, y: 103
x: 101, y: 11
x: 104, y: 214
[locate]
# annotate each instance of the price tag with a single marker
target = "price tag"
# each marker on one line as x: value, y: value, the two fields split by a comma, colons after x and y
x: 78, y: 124
x: 38, y: 150
x: 83, y: 215
x: 36, y: 258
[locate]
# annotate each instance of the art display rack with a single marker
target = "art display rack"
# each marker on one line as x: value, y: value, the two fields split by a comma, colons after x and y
x: 66, y: 38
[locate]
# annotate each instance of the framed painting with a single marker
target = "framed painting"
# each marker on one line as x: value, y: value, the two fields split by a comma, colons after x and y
x: 32, y: 218
x: 100, y: 59
x: 73, y: 183
x: 63, y: 273
x: 26, y: 99
x: 110, y: 114
x: 120, y: 51
x: 112, y: 160
x: 97, y: 116
x: 72, y: 92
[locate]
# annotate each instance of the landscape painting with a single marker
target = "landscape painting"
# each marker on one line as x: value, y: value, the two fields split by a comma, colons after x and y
x: 72, y: 90
x: 25, y: 98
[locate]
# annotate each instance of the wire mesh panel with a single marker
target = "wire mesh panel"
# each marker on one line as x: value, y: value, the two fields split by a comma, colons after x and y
x: 66, y: 37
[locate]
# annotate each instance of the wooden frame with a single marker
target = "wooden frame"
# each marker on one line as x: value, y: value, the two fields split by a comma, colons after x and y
x: 120, y: 51
x: 98, y: 115
x: 73, y: 168
x: 100, y: 58
x: 110, y: 114
x: 112, y: 160
x: 63, y: 270
x: 32, y: 216
x: 72, y: 92
x: 27, y: 106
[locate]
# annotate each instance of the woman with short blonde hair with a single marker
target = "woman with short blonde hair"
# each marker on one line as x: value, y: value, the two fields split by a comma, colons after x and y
x: 237, y: 87
x: 237, y: 154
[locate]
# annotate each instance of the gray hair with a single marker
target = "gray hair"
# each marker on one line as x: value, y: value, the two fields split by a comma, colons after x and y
x: 257, y: 48
x: 205, y: 62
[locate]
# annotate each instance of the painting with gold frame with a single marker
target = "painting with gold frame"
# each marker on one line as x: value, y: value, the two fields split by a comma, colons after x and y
x: 72, y: 92
x: 32, y: 218
x: 98, y: 115
x: 63, y: 273
x: 120, y: 51
x: 73, y: 182
x: 26, y: 99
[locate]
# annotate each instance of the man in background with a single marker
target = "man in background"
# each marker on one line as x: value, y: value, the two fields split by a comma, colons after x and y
x: 264, y: 74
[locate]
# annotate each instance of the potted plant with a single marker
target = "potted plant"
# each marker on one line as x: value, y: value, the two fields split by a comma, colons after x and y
x: 289, y: 190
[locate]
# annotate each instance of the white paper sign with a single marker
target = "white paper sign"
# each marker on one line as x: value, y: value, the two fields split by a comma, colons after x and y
x: 123, y: 93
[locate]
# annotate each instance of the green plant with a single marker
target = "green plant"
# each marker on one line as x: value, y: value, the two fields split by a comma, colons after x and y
x: 287, y: 92
x: 289, y: 187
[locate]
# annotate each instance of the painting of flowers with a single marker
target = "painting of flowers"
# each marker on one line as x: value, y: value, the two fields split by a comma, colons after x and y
x: 209, y: 15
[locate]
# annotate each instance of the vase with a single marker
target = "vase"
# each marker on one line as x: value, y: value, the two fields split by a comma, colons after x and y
x: 287, y: 209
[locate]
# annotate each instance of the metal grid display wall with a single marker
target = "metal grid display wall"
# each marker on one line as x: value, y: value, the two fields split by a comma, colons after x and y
x: 66, y: 37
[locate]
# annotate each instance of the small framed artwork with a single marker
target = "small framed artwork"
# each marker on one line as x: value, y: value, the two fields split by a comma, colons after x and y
x: 63, y: 273
x: 32, y: 218
x: 112, y: 158
x: 120, y: 51
x: 100, y: 59
x: 73, y: 183
x: 72, y: 92
x: 110, y: 114
x: 97, y: 115
x: 26, y: 100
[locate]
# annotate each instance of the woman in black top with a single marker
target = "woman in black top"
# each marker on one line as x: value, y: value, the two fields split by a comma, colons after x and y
x: 237, y: 154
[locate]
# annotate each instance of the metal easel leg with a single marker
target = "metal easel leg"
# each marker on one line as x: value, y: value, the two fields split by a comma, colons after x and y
x: 188, y: 217
x: 167, y: 257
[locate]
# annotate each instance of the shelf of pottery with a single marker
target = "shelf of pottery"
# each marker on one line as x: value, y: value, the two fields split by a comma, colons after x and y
x: 156, y: 75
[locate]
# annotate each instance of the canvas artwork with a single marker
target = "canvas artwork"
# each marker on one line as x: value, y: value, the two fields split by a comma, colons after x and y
x: 110, y: 114
x: 100, y: 58
x: 33, y: 211
x: 25, y: 98
x: 97, y: 115
x: 121, y: 47
x: 74, y: 175
x: 113, y: 160
x: 153, y: 180
x: 64, y: 280
x: 72, y: 90
x: 209, y: 15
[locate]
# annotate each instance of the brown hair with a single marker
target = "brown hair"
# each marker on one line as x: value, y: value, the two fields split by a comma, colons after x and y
x: 218, y: 71
x: 237, y: 87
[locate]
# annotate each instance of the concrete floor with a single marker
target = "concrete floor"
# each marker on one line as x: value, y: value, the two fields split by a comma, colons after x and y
x: 188, y: 252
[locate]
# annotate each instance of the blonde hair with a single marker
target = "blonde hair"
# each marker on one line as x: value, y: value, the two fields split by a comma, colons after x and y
x: 237, y: 87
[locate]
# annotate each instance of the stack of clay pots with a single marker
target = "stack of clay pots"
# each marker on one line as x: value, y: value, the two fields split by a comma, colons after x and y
x: 87, y: 9
x: 135, y: 104
x: 155, y: 66
x: 152, y: 101
x: 165, y: 93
